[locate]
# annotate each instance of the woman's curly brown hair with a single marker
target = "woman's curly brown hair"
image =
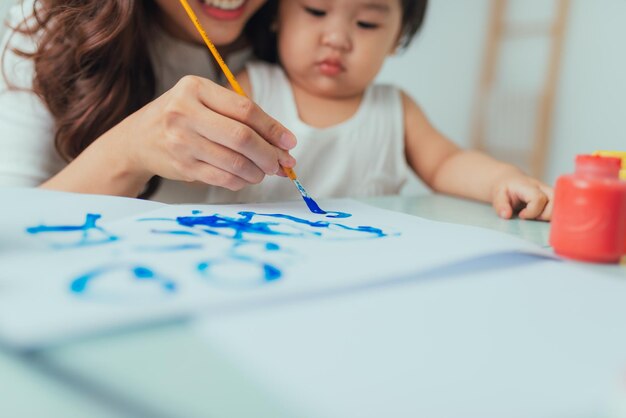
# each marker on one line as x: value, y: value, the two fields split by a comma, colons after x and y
x: 92, y: 65
x: 92, y: 68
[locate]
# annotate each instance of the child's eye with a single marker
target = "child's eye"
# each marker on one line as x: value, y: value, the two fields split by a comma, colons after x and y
x: 366, y: 25
x: 315, y: 12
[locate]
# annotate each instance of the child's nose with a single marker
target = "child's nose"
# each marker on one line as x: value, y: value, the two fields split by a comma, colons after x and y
x: 337, y: 39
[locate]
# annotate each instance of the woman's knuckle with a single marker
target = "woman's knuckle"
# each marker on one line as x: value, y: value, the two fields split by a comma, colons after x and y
x: 241, y: 135
x: 275, y: 130
x: 189, y: 83
x: 238, y: 164
x: 171, y: 116
x: 246, y: 108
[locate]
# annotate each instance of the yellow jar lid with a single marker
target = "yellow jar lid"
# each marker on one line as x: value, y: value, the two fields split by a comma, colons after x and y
x: 616, y: 154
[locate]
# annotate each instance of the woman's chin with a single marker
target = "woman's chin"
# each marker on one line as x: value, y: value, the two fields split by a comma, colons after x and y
x: 225, y: 38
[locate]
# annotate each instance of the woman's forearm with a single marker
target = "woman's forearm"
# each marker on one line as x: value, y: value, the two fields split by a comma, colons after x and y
x: 105, y: 167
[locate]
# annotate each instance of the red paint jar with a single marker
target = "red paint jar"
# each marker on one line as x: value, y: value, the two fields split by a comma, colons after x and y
x: 589, y: 215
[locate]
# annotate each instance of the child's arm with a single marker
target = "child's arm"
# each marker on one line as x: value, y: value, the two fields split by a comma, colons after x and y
x: 446, y: 168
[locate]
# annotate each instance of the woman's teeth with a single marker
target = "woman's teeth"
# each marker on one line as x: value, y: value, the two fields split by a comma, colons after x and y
x: 225, y: 4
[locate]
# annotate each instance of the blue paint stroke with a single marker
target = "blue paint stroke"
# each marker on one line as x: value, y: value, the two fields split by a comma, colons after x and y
x: 170, y: 248
x: 263, y: 272
x: 80, y: 285
x: 270, y: 246
x: 315, y: 208
x: 241, y: 229
x: 239, y: 226
x: 245, y: 225
x: 88, y: 228
x: 338, y: 215
x: 243, y: 254
x: 320, y: 224
x: 174, y: 232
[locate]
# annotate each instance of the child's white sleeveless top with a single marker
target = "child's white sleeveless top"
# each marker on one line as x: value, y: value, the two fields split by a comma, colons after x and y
x: 362, y: 156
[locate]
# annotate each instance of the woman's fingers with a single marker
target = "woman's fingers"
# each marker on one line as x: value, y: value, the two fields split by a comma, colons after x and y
x: 241, y: 138
x: 227, y: 160
x: 213, y: 175
x: 232, y: 105
x: 204, y: 132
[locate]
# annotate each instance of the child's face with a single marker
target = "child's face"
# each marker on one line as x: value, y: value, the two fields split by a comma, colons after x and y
x: 335, y: 48
x: 223, y: 20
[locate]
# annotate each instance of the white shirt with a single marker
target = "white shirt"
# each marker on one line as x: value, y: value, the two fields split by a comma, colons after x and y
x: 362, y: 156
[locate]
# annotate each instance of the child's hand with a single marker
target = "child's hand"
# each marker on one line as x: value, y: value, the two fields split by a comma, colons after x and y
x: 530, y: 197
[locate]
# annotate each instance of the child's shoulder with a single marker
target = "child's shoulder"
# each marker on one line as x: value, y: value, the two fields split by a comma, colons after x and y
x: 384, y: 92
x: 389, y: 88
x: 392, y: 98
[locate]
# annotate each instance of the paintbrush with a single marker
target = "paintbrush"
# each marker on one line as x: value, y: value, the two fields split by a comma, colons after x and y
x: 310, y: 202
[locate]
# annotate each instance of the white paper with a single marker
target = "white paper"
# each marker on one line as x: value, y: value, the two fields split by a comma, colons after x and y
x: 144, y: 261
x: 538, y: 338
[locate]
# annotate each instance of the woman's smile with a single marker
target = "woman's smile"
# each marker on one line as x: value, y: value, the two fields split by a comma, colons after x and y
x: 223, y: 9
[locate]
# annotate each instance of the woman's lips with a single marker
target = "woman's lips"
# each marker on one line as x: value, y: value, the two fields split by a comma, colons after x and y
x: 223, y: 9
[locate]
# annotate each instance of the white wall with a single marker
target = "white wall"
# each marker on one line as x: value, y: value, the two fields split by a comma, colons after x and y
x: 591, y: 109
x: 441, y: 72
x: 441, y: 67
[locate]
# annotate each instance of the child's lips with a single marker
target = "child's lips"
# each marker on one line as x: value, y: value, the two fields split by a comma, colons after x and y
x: 330, y: 67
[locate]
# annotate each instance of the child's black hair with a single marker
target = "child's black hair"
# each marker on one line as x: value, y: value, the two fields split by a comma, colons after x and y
x: 264, y: 42
x: 413, y: 12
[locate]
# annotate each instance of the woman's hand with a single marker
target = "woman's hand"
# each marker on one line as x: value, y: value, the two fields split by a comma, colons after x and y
x: 200, y: 131
x: 197, y: 131
x: 518, y: 192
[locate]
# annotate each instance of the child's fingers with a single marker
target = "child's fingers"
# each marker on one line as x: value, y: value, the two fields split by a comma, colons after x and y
x: 546, y: 215
x: 535, y: 198
x: 536, y: 204
x: 547, y: 190
x: 502, y: 204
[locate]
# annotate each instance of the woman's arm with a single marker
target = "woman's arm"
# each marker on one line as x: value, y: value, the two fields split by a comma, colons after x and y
x: 446, y: 168
x: 197, y: 131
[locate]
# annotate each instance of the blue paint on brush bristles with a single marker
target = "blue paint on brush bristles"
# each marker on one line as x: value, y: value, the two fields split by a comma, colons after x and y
x: 313, y: 206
